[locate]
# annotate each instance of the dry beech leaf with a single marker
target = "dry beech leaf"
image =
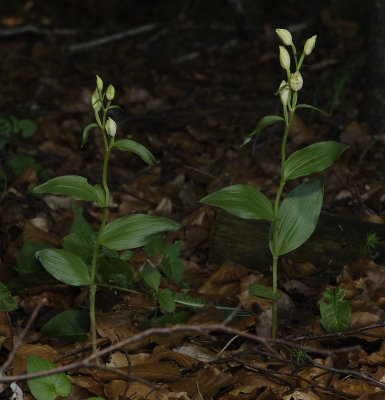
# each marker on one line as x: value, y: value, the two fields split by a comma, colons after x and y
x: 207, y: 382
x: 38, y: 350
x: 156, y: 371
x: 354, y: 387
x: 247, y: 382
x: 197, y: 353
x: 136, y: 391
x: 116, y: 327
x: 378, y: 357
x: 372, y: 396
x: 162, y: 353
x: 36, y: 235
x: 229, y: 272
x: 86, y: 382
x: 299, y: 395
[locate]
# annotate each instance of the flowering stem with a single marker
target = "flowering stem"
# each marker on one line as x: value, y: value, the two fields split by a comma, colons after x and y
x: 288, y: 122
x: 93, y: 286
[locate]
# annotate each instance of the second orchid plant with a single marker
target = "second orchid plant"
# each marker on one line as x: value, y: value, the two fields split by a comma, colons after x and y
x: 294, y: 219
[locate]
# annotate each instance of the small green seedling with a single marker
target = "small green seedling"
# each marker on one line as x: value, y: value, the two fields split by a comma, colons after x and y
x: 371, y: 243
x: 294, y: 219
x: 100, y: 248
x: 335, y: 311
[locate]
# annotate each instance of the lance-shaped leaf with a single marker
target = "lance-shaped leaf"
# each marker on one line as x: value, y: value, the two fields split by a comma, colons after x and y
x: 256, y: 289
x: 262, y: 123
x: 65, y: 266
x: 134, y: 231
x: 243, y: 201
x: 311, y: 108
x: 297, y: 216
x: 137, y: 148
x: 74, y: 186
x: 86, y: 131
x: 313, y: 158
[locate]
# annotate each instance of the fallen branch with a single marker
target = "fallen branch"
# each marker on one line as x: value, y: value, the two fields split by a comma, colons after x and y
x: 112, y: 38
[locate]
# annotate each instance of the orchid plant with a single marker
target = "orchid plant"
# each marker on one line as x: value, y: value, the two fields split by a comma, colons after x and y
x: 294, y: 219
x: 123, y: 233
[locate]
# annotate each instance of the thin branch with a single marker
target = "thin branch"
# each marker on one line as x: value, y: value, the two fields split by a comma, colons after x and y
x: 19, y: 340
x: 340, y: 334
x: 112, y: 38
x: 87, y: 362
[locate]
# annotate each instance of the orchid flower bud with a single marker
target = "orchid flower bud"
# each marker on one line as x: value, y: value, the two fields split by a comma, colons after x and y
x: 95, y: 101
x: 309, y: 45
x: 285, y: 36
x: 284, y: 58
x: 284, y: 93
x: 296, y: 81
x: 111, y: 127
x: 99, y: 83
x: 110, y: 92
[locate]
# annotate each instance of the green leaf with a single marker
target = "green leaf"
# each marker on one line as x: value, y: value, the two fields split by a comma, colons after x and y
x: 172, y: 265
x: 65, y: 266
x: 166, y: 300
x: 297, y: 216
x: 256, y: 289
x: 81, y: 244
x: 5, y: 131
x: 137, y: 148
x: 27, y: 128
x: 80, y: 224
x: 242, y: 201
x: 313, y: 158
x: 19, y: 163
x: 70, y: 326
x: 115, y: 272
x: 262, y: 123
x: 26, y: 261
x: 7, y: 302
x: 335, y: 311
x: 155, y: 245
x: 74, y: 186
x: 312, y: 108
x: 126, y: 255
x: 151, y: 277
x: 48, y: 387
x: 134, y: 230
x: 86, y: 132
x: 31, y: 280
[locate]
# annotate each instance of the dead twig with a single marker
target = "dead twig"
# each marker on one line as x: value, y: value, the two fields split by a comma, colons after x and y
x: 32, y: 29
x: 111, y: 38
x: 19, y: 340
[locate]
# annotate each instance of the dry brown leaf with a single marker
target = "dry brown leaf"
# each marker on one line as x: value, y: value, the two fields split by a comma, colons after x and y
x: 86, y: 382
x: 38, y: 350
x: 247, y: 382
x: 299, y: 395
x: 378, y: 357
x: 156, y: 371
x: 229, y: 272
x: 136, y: 391
x: 162, y: 353
x: 354, y: 387
x: 116, y: 327
x: 196, y: 352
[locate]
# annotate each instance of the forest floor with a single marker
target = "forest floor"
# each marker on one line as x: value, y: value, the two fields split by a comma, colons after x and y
x: 190, y: 91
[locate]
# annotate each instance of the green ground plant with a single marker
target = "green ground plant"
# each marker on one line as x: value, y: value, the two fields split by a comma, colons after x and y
x: 294, y: 219
x: 13, y: 130
x: 105, y: 250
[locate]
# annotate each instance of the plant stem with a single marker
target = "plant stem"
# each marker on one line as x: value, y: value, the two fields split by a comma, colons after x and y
x: 274, y: 250
x: 93, y: 286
